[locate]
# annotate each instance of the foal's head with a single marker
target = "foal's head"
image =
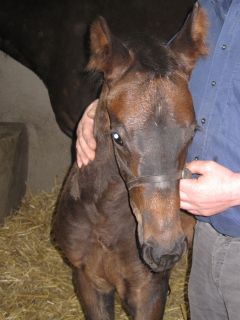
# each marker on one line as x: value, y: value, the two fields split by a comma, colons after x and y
x: 151, y: 120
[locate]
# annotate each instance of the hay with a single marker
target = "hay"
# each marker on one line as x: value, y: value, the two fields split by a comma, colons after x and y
x: 34, y: 281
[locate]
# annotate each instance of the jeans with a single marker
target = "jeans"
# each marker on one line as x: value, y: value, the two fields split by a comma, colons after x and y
x: 214, y: 284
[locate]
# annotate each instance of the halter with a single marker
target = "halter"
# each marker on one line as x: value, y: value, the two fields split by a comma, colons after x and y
x: 160, y: 179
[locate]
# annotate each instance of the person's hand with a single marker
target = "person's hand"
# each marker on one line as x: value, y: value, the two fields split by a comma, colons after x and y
x: 86, y: 143
x: 216, y: 189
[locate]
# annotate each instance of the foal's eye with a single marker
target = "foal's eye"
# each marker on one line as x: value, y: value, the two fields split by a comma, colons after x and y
x: 116, y: 137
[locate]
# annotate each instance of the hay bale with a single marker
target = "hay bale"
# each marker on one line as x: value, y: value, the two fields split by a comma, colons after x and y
x: 35, y: 283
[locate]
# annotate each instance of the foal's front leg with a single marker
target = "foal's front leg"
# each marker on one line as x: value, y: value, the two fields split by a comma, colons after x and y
x: 146, y: 301
x: 96, y: 305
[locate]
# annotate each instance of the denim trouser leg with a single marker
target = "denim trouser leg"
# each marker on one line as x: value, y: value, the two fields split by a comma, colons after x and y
x: 214, y: 285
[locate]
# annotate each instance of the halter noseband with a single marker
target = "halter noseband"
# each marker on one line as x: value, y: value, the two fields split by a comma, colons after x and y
x: 161, y: 179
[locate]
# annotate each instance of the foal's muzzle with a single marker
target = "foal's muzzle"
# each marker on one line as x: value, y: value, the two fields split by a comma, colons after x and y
x: 161, y: 259
x: 161, y: 255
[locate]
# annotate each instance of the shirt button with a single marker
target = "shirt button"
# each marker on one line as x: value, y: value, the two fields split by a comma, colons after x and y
x: 203, y: 120
x: 213, y: 83
x: 196, y: 158
x: 224, y: 46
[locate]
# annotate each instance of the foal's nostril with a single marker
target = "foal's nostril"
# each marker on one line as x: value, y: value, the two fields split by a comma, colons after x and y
x: 149, y: 258
x: 147, y: 253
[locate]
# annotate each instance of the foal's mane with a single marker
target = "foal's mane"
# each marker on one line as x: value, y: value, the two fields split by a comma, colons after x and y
x: 151, y: 55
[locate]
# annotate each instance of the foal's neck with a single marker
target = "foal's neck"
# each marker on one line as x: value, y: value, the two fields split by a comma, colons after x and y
x: 102, y: 174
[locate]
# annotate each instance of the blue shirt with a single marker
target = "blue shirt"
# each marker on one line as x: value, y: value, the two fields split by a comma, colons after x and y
x: 215, y: 87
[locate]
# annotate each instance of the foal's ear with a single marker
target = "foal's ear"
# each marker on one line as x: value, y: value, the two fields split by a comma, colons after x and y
x: 189, y: 44
x: 108, y: 54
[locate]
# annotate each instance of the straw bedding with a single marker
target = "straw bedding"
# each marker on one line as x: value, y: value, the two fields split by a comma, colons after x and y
x: 34, y: 281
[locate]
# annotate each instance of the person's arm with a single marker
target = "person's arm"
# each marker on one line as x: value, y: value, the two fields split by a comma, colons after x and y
x: 216, y: 189
x: 86, y: 144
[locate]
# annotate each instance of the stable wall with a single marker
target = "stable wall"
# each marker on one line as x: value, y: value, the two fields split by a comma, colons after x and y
x: 24, y: 98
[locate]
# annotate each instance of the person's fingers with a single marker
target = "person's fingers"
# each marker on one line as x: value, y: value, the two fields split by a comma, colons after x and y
x: 87, y: 134
x: 202, y: 209
x: 78, y: 147
x: 188, y: 207
x: 183, y: 196
x: 91, y: 110
x: 79, y: 162
x: 82, y: 158
x: 187, y: 186
x: 88, y: 152
x: 85, y: 143
x: 185, y: 205
x: 199, y: 166
x: 87, y: 130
